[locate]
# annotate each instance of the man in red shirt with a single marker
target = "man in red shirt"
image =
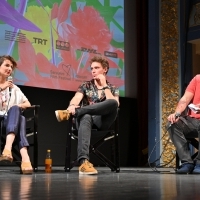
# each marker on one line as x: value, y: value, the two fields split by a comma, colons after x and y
x: 180, y: 127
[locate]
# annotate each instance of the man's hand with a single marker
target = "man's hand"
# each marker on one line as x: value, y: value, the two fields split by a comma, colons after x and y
x: 102, y: 79
x: 71, y: 109
x: 173, y: 117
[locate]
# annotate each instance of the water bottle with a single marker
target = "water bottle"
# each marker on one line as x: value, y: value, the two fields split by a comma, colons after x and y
x: 48, y: 162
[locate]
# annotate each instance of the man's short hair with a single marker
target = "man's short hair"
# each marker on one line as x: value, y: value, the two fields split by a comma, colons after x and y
x: 101, y: 59
x: 7, y: 57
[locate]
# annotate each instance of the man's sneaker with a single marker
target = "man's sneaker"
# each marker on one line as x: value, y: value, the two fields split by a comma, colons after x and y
x: 62, y: 115
x: 196, y: 169
x: 185, y: 168
x: 87, y: 168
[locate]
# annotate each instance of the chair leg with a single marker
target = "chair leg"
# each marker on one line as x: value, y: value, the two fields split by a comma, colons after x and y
x: 114, y: 164
x: 117, y: 158
x: 105, y: 160
x: 68, y: 147
x: 195, y: 155
x: 35, y: 139
x: 116, y: 141
x: 35, y: 153
x: 193, y: 142
x: 2, y: 142
x: 177, y: 161
x: 16, y: 155
x: 1, y: 131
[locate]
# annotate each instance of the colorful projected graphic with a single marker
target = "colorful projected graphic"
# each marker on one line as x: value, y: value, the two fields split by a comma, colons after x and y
x: 54, y: 40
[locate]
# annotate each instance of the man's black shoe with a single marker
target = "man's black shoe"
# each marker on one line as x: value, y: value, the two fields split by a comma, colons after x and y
x: 185, y: 168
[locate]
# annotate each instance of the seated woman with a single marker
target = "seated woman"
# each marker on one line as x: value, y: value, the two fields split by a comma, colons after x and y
x: 12, y: 102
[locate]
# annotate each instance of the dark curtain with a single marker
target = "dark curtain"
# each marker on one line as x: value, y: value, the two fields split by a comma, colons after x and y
x: 142, y: 77
x: 185, y: 47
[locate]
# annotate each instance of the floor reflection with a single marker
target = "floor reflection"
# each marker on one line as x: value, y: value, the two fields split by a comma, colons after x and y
x: 171, y: 186
x: 87, y: 185
x: 128, y: 184
x: 6, y: 188
x: 48, y: 183
x: 87, y: 182
x: 26, y: 186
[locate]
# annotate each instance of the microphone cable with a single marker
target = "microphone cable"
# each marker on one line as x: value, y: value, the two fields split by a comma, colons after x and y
x: 9, y: 92
x: 6, y: 110
x: 150, y: 164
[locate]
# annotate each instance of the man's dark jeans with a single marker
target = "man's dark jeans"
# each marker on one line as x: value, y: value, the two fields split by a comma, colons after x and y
x: 179, y: 131
x: 102, y: 115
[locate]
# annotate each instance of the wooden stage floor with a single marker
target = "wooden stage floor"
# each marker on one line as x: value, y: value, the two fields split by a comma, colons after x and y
x: 130, y: 183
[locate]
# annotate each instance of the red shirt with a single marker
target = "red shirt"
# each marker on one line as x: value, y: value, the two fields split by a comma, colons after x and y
x: 194, y: 87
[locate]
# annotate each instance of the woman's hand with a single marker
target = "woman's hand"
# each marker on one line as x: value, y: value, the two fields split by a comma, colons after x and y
x: 24, y: 105
x: 7, y: 84
x: 20, y: 105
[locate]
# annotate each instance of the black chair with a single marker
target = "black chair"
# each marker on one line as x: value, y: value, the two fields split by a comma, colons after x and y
x: 109, y: 135
x: 31, y: 114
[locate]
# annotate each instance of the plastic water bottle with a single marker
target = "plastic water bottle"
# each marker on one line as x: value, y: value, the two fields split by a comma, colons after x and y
x: 48, y: 162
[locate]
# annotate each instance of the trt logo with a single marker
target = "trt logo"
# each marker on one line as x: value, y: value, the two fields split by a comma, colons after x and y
x: 40, y: 41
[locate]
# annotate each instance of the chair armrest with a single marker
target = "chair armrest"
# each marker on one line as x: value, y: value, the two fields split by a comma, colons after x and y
x: 33, y: 107
x: 32, y: 112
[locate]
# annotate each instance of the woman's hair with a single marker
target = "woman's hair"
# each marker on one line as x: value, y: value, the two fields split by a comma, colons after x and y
x: 7, y: 57
x: 100, y: 59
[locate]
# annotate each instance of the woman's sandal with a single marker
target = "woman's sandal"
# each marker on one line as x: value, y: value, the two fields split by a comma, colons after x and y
x: 26, y: 168
x: 6, y: 156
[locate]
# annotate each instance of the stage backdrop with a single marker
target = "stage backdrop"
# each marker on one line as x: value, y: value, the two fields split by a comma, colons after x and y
x: 53, y: 40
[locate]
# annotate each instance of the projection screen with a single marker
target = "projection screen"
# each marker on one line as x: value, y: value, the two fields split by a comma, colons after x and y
x: 54, y: 40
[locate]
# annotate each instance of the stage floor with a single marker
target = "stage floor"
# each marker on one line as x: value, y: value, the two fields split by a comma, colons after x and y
x: 130, y: 183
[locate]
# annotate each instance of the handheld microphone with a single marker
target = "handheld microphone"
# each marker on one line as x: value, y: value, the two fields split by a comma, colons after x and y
x: 176, y: 116
x: 10, y: 78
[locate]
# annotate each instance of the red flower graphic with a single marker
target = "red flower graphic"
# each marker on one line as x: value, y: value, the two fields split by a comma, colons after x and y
x: 88, y: 30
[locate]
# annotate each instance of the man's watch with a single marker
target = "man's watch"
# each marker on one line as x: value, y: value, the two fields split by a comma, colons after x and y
x: 106, y: 87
